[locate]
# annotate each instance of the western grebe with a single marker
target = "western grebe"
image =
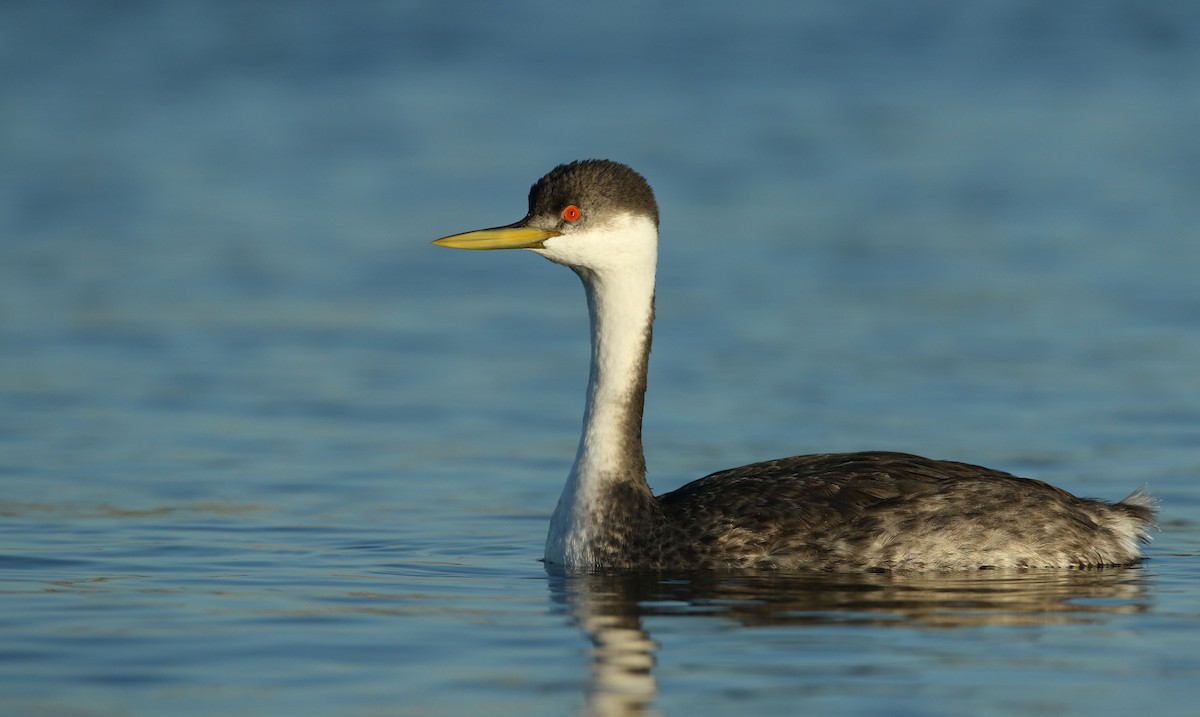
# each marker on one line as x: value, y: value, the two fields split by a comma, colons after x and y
x: 849, y: 511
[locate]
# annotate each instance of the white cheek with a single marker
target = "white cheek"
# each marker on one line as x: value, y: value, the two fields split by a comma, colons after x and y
x: 559, y: 249
x: 621, y: 244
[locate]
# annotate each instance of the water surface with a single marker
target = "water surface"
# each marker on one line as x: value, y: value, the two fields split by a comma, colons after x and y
x: 265, y: 451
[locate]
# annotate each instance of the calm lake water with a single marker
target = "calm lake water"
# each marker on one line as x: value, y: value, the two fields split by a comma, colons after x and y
x: 265, y: 451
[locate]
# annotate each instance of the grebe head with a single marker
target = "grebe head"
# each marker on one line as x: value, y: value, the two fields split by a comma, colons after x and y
x: 594, y: 216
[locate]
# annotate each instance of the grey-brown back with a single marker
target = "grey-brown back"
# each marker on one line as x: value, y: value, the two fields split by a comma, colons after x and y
x: 891, y: 511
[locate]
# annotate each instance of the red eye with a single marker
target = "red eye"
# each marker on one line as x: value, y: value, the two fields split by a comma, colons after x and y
x: 572, y: 213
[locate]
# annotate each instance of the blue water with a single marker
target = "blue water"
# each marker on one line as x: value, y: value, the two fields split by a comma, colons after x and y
x: 265, y: 451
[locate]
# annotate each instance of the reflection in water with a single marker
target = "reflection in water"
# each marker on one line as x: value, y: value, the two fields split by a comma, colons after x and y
x: 609, y: 607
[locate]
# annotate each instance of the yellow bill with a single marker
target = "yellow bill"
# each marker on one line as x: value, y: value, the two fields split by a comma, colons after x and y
x: 510, y: 237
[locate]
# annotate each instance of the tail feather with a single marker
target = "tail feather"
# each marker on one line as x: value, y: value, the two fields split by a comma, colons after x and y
x: 1141, y: 506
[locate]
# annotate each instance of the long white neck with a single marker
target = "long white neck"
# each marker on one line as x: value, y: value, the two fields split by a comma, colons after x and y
x: 620, y: 298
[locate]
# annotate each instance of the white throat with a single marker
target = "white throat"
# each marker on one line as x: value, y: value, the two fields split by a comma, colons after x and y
x: 617, y: 266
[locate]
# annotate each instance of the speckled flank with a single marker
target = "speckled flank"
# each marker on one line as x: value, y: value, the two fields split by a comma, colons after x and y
x: 854, y: 511
x: 874, y: 511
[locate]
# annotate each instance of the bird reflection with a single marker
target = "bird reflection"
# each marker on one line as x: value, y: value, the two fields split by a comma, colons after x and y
x: 610, y: 606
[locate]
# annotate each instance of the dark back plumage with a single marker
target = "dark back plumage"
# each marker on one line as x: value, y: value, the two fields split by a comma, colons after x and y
x: 877, y: 511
